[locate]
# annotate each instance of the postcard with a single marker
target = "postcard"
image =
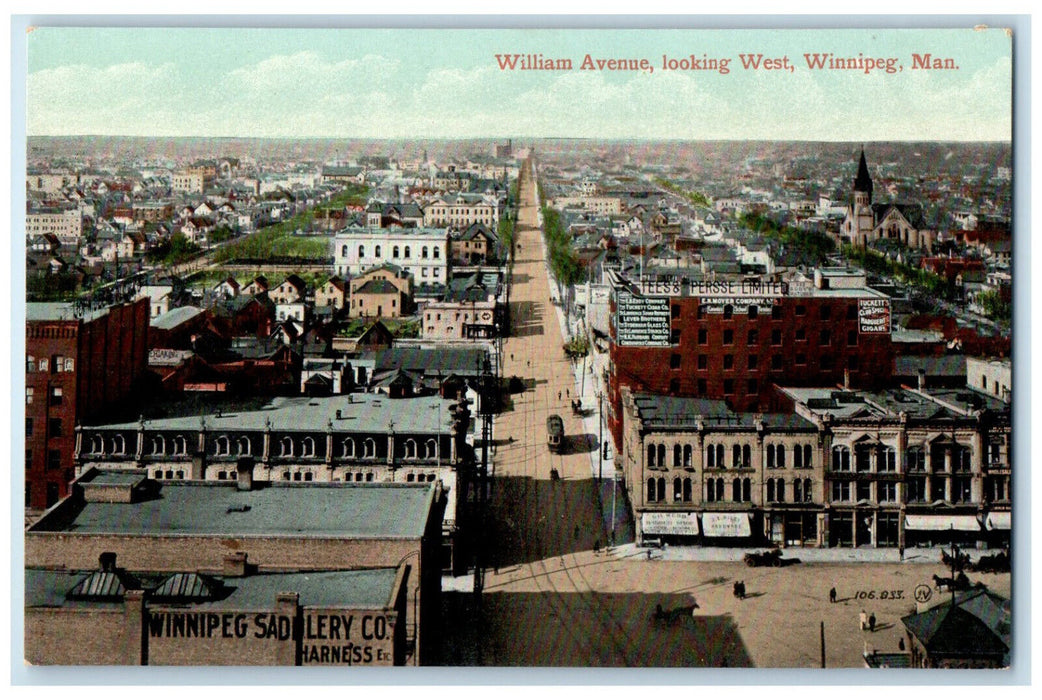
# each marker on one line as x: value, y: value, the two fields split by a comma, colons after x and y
x: 541, y: 348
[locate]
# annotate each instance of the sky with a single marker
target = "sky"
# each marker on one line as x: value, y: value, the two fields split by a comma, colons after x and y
x: 440, y: 83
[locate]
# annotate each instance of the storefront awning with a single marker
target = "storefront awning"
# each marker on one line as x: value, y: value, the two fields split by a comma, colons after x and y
x: 669, y: 523
x: 999, y: 521
x: 726, y: 525
x: 963, y: 523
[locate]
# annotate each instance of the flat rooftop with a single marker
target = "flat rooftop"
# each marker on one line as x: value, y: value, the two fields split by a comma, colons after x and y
x: 675, y: 412
x: 358, y: 413
x: 369, y: 588
x: 321, y: 510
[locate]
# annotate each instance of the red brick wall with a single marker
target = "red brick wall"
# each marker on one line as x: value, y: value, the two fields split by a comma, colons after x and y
x: 654, y: 369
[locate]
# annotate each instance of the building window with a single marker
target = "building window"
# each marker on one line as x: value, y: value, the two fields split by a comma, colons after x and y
x: 437, y: 253
x: 776, y: 312
x: 43, y: 364
x: 394, y: 252
x: 56, y: 396
x: 841, y: 491
x: 863, y: 458
x: 54, y: 459
x: 715, y: 456
x: 30, y: 364
x: 728, y: 386
x: 728, y: 361
x: 674, y: 311
x: 651, y: 455
x: 801, y: 334
x: 728, y: 311
x: 852, y: 363
x: 825, y: 337
x: 703, y: 336
x: 915, y: 489
x: 851, y: 338
x: 424, y: 253
x: 677, y: 451
x: 728, y: 337
x: 222, y: 446
x: 825, y: 311
x: 286, y: 447
x: 28, y: 395
x: 674, y: 386
x: 864, y: 490
x: 840, y: 458
x: 361, y: 251
x: 701, y: 387
x: 887, y: 459
x: 54, y: 427
x: 703, y: 361
x: 688, y: 451
x: 307, y: 447
x: 801, y: 359
x: 801, y: 457
x: 378, y: 251
x: 674, y: 336
x: 752, y: 387
x: 753, y: 311
x: 887, y: 491
x: 753, y: 337
x: 801, y: 310
x: 776, y: 337
x: 827, y: 363
x: 776, y: 362
x: 674, y: 361
x: 851, y: 312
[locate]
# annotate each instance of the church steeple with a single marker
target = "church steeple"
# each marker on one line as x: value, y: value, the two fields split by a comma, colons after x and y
x: 863, y: 182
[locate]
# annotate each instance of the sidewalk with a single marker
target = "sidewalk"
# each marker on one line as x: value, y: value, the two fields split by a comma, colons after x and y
x: 806, y: 555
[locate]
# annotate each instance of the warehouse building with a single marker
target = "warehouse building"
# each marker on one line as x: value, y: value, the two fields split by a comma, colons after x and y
x: 234, y: 573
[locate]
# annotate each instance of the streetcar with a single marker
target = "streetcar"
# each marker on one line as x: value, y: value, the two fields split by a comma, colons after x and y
x: 554, y: 432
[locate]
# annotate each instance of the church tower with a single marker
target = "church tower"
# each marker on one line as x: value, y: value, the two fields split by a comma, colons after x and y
x: 862, y: 183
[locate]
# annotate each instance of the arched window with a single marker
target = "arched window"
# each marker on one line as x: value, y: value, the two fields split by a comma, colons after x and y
x: 841, y: 458
x: 286, y: 447
x: 688, y: 451
x: 432, y: 449
x: 180, y: 445
x: 243, y: 446
x: 661, y: 457
x: 747, y: 489
x: 770, y: 458
x: 408, y: 252
x: 343, y: 251
x: 736, y: 489
x: 347, y: 448
x: 651, y: 490
x: 747, y: 456
x: 687, y: 490
x: 361, y: 252
x: 807, y: 495
x: 711, y: 457
x: 97, y: 445
x: 915, y: 459
x: 781, y: 456
x: 887, y: 459
x: 807, y: 459
x: 119, y: 445
x: 394, y: 252
x: 158, y: 445
x: 770, y: 490
x: 678, y: 489
x: 222, y: 446
x: 660, y: 485
x: 651, y: 455
x: 307, y: 447
x: 781, y: 490
x: 736, y: 456
x: 377, y: 254
x: 961, y: 458
x: 797, y: 490
x: 677, y: 451
x: 424, y: 252
x: 410, y: 449
x: 370, y: 447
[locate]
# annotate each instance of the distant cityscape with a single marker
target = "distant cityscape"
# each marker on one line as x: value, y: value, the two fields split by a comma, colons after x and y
x: 349, y: 402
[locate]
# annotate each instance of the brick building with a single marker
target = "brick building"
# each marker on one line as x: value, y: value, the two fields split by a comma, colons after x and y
x: 287, y: 550
x: 735, y: 340
x: 77, y: 364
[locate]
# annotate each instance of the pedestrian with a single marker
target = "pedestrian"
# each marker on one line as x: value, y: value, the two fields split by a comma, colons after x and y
x: 511, y: 357
x: 901, y: 551
x: 832, y: 595
x: 568, y: 393
x: 872, y: 622
x: 863, y: 620
x: 558, y: 396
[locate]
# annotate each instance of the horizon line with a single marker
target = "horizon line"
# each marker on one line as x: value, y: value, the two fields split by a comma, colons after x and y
x: 542, y: 138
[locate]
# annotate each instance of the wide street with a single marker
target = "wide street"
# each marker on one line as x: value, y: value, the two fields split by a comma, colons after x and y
x: 554, y: 596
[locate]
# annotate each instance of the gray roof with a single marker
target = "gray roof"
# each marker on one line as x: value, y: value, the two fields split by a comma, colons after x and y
x: 943, y: 366
x: 674, y: 412
x: 446, y: 359
x: 369, y: 588
x: 322, y: 510
x: 59, y: 311
x: 175, y: 317
x: 359, y: 413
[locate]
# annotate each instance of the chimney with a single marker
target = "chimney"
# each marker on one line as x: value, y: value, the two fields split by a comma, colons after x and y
x: 235, y: 564
x: 244, y: 471
x: 922, y: 379
x: 339, y: 415
x: 107, y: 561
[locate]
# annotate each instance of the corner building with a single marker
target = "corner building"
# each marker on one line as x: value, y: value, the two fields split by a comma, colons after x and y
x: 736, y: 340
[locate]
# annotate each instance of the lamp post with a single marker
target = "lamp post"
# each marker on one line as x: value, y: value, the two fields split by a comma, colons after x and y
x: 600, y: 438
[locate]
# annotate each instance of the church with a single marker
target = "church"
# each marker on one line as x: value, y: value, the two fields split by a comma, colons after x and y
x: 867, y: 221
